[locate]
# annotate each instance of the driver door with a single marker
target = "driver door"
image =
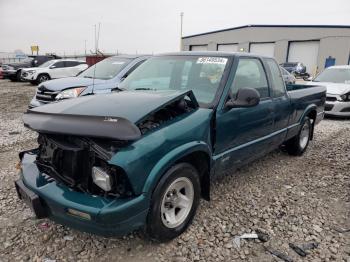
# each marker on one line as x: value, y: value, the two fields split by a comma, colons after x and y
x: 242, y: 133
x: 57, y: 70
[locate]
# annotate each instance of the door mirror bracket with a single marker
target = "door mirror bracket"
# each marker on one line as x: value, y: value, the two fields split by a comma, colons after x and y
x: 246, y: 97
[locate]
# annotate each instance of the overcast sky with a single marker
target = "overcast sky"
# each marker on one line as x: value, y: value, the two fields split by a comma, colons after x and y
x: 146, y: 26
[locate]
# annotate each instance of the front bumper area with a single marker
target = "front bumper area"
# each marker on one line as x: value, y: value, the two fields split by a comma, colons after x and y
x: 107, y: 217
x: 26, y: 76
x: 35, y: 103
x: 337, y: 108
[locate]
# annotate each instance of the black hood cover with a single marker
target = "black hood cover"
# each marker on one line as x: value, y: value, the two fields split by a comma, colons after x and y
x: 114, y: 116
x: 93, y: 126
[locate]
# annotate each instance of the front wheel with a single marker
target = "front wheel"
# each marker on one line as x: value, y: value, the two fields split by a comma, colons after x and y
x: 18, y: 75
x: 174, y: 203
x: 297, y: 145
x: 42, y: 78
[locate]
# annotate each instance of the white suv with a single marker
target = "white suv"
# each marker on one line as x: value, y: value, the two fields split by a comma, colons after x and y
x: 53, y: 69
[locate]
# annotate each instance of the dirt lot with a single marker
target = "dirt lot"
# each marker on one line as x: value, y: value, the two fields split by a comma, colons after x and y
x: 293, y: 199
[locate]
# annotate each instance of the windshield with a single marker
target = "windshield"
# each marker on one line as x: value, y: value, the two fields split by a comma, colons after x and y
x: 334, y: 75
x: 47, y: 64
x: 202, y: 75
x: 106, y: 69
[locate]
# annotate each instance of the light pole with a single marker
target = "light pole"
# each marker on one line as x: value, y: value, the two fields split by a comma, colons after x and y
x: 181, y: 16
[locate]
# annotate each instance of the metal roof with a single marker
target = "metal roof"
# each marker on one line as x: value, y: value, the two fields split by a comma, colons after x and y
x: 209, y: 53
x: 283, y: 26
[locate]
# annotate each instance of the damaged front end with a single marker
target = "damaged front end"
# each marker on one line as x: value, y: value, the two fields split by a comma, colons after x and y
x: 94, y: 152
x: 75, y: 150
x: 71, y: 160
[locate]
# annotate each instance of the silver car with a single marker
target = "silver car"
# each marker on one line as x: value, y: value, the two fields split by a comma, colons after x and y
x: 337, y: 81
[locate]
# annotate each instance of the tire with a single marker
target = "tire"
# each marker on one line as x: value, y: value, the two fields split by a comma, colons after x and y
x: 18, y: 75
x: 42, y: 78
x: 33, y: 83
x: 170, y: 214
x: 297, y: 145
x: 13, y: 78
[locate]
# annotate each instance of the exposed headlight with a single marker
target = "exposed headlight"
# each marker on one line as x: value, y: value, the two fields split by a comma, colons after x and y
x: 101, y: 178
x: 345, y: 97
x: 70, y: 93
x: 31, y: 71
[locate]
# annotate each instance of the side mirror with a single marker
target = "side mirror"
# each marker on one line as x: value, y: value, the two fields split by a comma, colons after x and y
x: 246, y: 97
x: 308, y: 78
x: 53, y: 66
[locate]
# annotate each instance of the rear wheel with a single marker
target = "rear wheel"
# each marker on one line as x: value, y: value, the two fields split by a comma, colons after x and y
x: 297, y: 145
x: 174, y: 202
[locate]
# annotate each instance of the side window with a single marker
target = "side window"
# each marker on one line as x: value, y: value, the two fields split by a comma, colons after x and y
x: 277, y: 79
x: 71, y: 63
x: 59, y: 64
x: 250, y: 73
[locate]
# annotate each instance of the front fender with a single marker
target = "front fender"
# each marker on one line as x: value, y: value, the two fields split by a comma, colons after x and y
x: 170, y: 159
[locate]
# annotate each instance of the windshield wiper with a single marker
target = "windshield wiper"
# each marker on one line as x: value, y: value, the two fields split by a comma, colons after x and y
x: 88, y: 77
x: 145, y: 88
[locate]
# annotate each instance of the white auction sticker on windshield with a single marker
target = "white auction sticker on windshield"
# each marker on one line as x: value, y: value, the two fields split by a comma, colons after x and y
x: 212, y: 60
x: 118, y: 63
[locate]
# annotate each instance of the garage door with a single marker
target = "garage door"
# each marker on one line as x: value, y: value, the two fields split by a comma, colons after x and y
x: 305, y: 52
x: 228, y: 47
x: 265, y: 49
x: 199, y: 48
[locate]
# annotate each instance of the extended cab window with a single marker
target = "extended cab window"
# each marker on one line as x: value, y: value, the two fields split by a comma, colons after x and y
x: 277, y: 80
x: 250, y: 73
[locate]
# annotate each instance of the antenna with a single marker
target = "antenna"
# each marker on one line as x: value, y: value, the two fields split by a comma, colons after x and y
x: 97, y: 38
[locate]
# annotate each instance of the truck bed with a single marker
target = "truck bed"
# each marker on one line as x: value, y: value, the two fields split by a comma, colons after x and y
x: 303, y: 97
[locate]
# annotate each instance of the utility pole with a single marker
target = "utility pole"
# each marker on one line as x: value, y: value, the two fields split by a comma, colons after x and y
x: 181, y: 17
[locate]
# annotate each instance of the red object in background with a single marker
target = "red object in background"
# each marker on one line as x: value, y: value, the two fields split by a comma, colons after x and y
x: 93, y: 59
x: 1, y: 73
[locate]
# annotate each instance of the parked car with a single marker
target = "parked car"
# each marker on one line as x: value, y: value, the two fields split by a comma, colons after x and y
x: 287, y: 77
x: 143, y: 156
x: 13, y: 71
x: 337, y: 81
x: 99, y: 78
x: 298, y: 69
x: 53, y: 69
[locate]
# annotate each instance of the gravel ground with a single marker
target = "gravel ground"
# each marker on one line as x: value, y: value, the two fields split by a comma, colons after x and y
x: 292, y: 199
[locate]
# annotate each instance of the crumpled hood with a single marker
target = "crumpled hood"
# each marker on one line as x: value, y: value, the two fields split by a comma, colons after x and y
x: 334, y: 88
x: 109, y: 116
x: 69, y: 82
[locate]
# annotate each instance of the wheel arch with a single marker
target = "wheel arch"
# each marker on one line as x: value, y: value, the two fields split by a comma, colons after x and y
x: 196, y: 153
x: 43, y: 73
x: 310, y: 112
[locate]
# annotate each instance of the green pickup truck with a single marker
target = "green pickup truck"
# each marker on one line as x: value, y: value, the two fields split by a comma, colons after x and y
x: 144, y: 156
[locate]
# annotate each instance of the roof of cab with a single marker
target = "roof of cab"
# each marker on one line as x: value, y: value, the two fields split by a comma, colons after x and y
x: 211, y: 53
x: 129, y: 56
